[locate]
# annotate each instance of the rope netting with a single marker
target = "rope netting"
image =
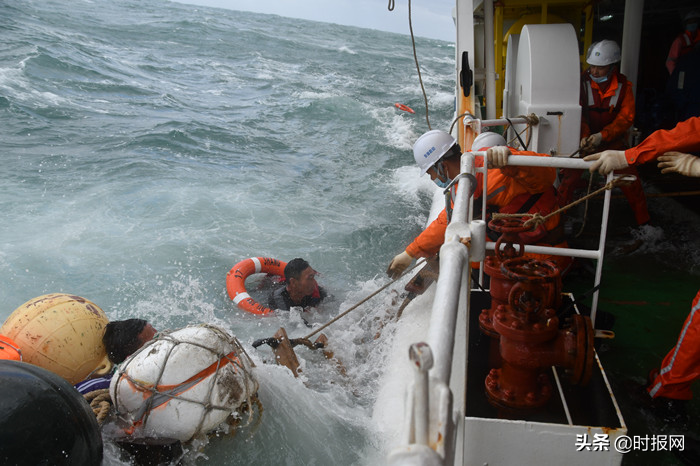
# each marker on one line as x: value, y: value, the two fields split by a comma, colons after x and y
x: 223, y: 386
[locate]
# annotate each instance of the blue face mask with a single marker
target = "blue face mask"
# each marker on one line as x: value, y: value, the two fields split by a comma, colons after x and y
x: 599, y: 80
x: 691, y: 27
x: 442, y: 184
x: 440, y: 171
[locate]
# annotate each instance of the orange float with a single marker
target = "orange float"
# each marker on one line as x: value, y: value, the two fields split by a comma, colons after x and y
x: 9, y: 349
x: 403, y: 107
x: 235, y: 281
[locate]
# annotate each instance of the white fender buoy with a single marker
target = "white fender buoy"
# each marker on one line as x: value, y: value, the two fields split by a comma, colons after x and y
x: 183, y: 383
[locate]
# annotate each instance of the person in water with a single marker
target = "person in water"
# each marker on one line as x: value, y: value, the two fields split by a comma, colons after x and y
x: 121, y: 339
x: 510, y: 190
x: 300, y: 288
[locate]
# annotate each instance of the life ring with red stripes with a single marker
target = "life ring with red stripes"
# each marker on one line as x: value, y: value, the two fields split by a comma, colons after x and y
x: 403, y: 107
x: 235, y: 281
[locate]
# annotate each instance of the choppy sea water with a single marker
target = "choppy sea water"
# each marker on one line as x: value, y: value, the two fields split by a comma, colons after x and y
x: 149, y: 146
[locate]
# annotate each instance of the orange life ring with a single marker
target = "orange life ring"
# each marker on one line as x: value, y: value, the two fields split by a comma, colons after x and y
x: 403, y: 107
x: 9, y: 349
x: 235, y: 281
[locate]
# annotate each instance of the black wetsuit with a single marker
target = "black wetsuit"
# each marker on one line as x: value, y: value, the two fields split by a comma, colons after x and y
x: 279, y: 299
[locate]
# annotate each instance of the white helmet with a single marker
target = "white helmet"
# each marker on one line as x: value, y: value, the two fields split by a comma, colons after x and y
x: 430, y: 147
x: 488, y: 139
x: 694, y: 14
x: 603, y: 53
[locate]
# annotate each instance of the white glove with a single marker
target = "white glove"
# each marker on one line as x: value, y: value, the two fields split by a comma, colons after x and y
x: 607, y: 161
x: 685, y: 164
x: 591, y: 142
x: 399, y: 264
x: 497, y: 157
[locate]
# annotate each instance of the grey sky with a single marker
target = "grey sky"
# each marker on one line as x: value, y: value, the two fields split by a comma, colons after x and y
x: 431, y: 18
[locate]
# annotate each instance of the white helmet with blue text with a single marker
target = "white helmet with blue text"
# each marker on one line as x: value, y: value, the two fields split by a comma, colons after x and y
x: 488, y: 139
x: 430, y: 147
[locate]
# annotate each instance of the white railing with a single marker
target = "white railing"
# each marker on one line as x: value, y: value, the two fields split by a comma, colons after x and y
x: 432, y: 426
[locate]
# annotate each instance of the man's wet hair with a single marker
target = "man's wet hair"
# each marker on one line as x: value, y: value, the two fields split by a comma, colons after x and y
x: 121, y: 338
x: 294, y: 268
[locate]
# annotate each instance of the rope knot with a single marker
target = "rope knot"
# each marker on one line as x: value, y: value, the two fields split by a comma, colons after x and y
x: 535, y: 220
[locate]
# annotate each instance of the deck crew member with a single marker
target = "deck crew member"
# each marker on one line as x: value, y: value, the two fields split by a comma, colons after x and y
x: 510, y: 190
x: 607, y: 106
x: 300, y: 288
x: 669, y: 386
x: 681, y: 366
x: 686, y: 41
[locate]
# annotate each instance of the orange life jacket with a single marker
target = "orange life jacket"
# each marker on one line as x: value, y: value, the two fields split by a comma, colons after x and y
x: 609, y: 112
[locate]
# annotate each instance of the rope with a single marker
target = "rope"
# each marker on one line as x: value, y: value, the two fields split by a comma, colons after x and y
x: 517, y: 135
x: 361, y: 302
x: 415, y: 58
x: 100, y: 403
x: 530, y: 121
x: 538, y: 219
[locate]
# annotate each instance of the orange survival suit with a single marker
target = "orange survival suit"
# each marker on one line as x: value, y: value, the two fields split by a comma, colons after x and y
x: 608, y: 108
x: 510, y: 190
x: 681, y: 366
x: 684, y: 137
x: 682, y: 45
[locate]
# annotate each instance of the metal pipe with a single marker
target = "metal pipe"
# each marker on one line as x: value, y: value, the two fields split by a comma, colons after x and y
x: 454, y: 256
x: 552, y: 251
x: 422, y: 359
x: 503, y: 121
x: 534, y: 161
x: 441, y: 336
x: 557, y: 162
x: 631, y: 34
x: 601, y: 250
x: 561, y: 395
x: 489, y: 60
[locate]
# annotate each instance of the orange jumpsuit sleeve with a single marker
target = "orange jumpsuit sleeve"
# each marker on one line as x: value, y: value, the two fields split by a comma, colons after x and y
x: 534, y: 180
x: 624, y: 119
x: 429, y: 241
x: 685, y: 137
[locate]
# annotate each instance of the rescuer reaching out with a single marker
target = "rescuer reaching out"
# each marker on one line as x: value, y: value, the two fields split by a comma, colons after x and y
x: 675, y: 145
x: 510, y: 190
x: 670, y: 385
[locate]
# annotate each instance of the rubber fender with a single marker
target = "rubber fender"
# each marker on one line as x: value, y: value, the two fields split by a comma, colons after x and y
x: 44, y: 420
